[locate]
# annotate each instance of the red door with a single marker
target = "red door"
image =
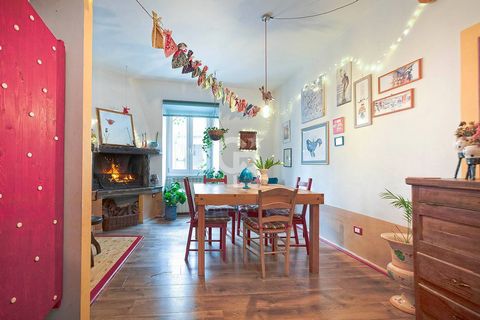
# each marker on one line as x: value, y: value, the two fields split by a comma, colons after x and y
x: 32, y: 81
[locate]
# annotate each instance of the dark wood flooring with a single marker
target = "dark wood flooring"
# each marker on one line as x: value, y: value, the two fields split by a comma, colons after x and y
x: 155, y: 283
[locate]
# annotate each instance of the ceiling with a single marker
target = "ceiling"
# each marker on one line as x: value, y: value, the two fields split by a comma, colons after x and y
x: 228, y: 36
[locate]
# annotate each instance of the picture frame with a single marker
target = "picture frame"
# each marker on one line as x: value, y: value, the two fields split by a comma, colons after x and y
x: 313, y: 100
x: 339, y: 141
x: 315, y: 144
x: 287, y: 157
x: 115, y: 128
x: 287, y: 134
x: 248, y: 140
x: 344, y: 84
x: 338, y: 125
x: 362, y: 97
x: 399, y: 77
x: 394, y: 103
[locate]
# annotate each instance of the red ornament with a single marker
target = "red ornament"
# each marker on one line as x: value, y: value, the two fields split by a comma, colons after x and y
x: 125, y: 110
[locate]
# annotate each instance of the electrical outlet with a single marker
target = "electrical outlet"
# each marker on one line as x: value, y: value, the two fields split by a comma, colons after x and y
x: 358, y: 230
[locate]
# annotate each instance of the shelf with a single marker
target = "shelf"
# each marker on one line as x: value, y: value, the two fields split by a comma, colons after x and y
x: 125, y: 150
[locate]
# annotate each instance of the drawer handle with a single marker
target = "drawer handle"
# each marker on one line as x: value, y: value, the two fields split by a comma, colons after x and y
x: 459, y: 284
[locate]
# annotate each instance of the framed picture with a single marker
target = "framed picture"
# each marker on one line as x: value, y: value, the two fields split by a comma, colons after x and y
x: 313, y: 100
x: 338, y: 141
x: 399, y: 77
x: 248, y: 140
x: 286, y: 131
x: 338, y: 125
x: 287, y: 157
x: 344, y: 84
x: 397, y: 102
x: 362, y: 97
x: 315, y: 144
x: 115, y: 128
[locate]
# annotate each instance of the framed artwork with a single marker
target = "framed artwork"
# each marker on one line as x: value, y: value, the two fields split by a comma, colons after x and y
x: 397, y: 102
x: 339, y: 141
x: 362, y: 97
x: 248, y: 140
x: 115, y: 128
x: 313, y: 101
x: 287, y: 157
x: 286, y: 131
x: 344, y: 84
x: 399, y: 77
x: 338, y: 125
x: 315, y: 144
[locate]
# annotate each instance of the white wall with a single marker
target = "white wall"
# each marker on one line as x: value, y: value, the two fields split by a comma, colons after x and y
x: 415, y: 142
x: 112, y: 90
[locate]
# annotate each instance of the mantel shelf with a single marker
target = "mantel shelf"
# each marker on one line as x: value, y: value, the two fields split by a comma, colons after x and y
x: 125, y: 150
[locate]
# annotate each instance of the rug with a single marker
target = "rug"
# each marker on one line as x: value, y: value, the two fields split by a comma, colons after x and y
x: 115, y: 251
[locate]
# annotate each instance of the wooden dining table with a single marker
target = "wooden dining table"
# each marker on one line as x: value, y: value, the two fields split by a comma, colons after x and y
x: 234, y: 194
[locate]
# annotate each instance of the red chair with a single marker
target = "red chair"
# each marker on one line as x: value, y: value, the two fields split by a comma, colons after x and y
x: 232, y: 211
x: 213, y: 219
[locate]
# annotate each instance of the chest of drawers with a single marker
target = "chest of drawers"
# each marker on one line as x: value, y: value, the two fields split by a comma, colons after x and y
x: 446, y: 227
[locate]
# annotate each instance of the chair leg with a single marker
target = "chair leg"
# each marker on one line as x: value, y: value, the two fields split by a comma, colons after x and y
x: 262, y: 254
x: 233, y: 227
x: 287, y: 253
x: 187, y: 249
x: 210, y: 236
x: 224, y: 241
x: 275, y: 242
x: 295, y: 233
x: 248, y: 235
x: 305, y: 236
x: 244, y: 245
x: 267, y: 237
x: 239, y: 221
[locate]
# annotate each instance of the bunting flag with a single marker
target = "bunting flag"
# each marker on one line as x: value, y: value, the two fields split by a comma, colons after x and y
x: 184, y: 59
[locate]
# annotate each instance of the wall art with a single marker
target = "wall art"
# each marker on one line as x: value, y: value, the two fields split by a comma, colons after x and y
x: 286, y: 131
x: 313, y: 100
x: 338, y: 125
x: 287, y: 157
x: 362, y: 96
x: 399, y: 77
x: 398, y: 102
x: 116, y: 128
x: 344, y: 84
x: 315, y: 143
x: 248, y: 140
x: 339, y: 141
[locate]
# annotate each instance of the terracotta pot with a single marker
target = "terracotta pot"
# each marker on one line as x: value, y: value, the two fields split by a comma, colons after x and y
x: 472, y: 151
x: 263, y: 176
x: 216, y: 135
x: 401, y: 270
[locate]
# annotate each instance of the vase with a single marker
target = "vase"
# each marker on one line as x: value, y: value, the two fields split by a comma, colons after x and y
x: 460, y: 144
x: 472, y: 151
x: 263, y: 176
x: 401, y: 271
x: 170, y: 213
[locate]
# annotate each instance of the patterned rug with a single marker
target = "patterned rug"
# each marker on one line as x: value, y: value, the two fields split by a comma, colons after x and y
x: 115, y: 251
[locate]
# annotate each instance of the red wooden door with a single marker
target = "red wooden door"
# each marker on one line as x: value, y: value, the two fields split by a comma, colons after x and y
x: 32, y: 86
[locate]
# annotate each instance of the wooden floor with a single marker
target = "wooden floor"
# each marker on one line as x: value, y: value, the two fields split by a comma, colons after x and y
x: 155, y: 283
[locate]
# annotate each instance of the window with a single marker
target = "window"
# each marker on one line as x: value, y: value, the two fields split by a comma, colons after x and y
x: 185, y: 123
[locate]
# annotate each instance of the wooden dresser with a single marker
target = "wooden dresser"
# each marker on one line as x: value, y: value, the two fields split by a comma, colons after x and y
x: 446, y: 227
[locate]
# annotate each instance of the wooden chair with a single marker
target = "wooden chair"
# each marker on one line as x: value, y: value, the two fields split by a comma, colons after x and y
x: 232, y: 211
x: 213, y: 219
x: 271, y: 225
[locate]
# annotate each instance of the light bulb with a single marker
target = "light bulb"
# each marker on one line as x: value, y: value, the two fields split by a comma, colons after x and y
x: 266, y: 111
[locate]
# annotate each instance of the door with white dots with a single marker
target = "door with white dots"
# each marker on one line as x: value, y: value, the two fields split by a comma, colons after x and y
x: 32, y: 88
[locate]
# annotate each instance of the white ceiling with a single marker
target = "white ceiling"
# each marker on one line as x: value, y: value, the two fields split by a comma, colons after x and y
x: 228, y: 35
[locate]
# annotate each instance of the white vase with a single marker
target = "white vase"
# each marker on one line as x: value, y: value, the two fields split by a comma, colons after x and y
x: 263, y: 176
x: 401, y: 270
x: 461, y: 143
x: 472, y: 151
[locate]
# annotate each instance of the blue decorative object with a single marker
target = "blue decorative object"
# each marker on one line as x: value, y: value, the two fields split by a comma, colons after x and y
x: 246, y: 177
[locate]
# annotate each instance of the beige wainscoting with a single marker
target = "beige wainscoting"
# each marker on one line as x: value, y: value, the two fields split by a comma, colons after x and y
x: 336, y: 226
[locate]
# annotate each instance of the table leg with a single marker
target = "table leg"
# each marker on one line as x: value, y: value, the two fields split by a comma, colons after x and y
x: 201, y: 240
x: 313, y: 258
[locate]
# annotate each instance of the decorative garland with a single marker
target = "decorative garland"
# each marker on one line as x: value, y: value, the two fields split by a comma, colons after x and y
x: 183, y: 59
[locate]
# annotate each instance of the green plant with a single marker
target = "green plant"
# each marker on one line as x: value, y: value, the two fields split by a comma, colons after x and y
x: 267, y: 164
x: 174, y: 194
x: 207, y: 141
x: 400, y: 202
x: 212, y: 174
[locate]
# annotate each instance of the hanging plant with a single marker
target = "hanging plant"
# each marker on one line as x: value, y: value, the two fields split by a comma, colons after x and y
x: 213, y: 134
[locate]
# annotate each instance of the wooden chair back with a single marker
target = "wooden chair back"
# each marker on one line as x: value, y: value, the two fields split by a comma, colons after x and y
x: 191, y: 204
x: 215, y: 180
x: 278, y: 198
x: 304, y: 185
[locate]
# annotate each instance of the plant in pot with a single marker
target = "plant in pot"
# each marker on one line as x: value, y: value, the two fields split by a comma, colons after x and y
x: 264, y: 166
x: 401, y: 247
x: 468, y: 146
x: 213, y: 134
x: 172, y: 196
x: 212, y: 174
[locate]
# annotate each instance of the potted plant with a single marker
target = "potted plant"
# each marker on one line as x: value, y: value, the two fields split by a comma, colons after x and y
x: 263, y: 167
x: 212, y: 174
x: 401, y: 247
x: 468, y: 139
x: 172, y: 196
x: 213, y: 134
